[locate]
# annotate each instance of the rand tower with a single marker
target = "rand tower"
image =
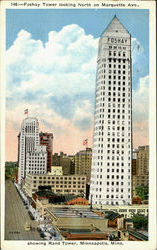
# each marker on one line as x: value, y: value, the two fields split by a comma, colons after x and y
x: 112, y: 141
x: 32, y: 157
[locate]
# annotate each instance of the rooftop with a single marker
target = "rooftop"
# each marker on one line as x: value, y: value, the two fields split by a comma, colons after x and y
x: 112, y: 215
x: 115, y: 26
x: 74, y: 213
x: 138, y: 235
x: 79, y: 230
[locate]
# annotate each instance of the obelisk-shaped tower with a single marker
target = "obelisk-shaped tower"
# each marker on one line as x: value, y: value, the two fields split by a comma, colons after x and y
x: 112, y: 145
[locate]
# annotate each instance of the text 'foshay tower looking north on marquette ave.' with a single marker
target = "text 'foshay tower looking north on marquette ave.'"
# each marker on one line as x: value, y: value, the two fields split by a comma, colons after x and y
x: 112, y: 143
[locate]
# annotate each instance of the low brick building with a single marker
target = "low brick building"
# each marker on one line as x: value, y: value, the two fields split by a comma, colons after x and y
x: 78, y: 201
x: 112, y: 218
x: 83, y: 234
x: 61, y: 184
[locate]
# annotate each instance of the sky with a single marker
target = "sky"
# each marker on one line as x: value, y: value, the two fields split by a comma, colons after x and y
x: 51, y: 70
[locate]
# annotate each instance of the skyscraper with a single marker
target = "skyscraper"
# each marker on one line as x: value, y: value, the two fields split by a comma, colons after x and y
x: 32, y: 157
x: 112, y: 144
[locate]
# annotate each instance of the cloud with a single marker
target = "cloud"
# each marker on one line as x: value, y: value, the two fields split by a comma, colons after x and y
x: 140, y: 98
x: 60, y: 72
x: 136, y: 49
x: 83, y: 116
x: 56, y: 82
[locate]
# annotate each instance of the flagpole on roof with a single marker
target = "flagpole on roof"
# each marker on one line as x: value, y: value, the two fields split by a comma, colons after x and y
x: 26, y: 112
x: 85, y: 143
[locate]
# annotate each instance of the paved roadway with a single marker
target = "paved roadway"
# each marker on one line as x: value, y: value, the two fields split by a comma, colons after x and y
x: 16, y: 216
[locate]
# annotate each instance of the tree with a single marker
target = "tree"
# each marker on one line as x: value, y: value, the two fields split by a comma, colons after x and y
x: 142, y: 192
x: 140, y: 222
x: 10, y: 168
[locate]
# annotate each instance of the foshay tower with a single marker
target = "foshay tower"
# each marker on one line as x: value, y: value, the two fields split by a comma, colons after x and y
x: 112, y: 145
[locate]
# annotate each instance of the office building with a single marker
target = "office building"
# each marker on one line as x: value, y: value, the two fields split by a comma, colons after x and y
x: 141, y: 178
x: 134, y: 162
x: 65, y: 161
x: 112, y: 143
x: 46, y: 139
x: 32, y: 157
x: 59, y: 184
x: 83, y: 161
x: 143, y: 160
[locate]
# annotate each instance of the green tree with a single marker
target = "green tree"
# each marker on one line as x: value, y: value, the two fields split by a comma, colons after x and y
x: 140, y: 222
x: 10, y: 168
x: 142, y: 192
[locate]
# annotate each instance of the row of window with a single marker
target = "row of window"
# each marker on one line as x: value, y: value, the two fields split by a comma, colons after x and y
x: 114, y: 71
x: 112, y: 89
x: 118, y: 66
x: 112, y: 203
x: 113, y: 164
x: 97, y: 127
x: 97, y: 117
x: 59, y: 177
x: 112, y: 183
x: 116, y: 53
x: 122, y: 84
x: 119, y: 77
x: 115, y: 146
x: 112, y: 196
x: 117, y: 60
x: 59, y: 182
x: 62, y: 186
x: 114, y: 94
x: 73, y: 191
x: 117, y: 47
x: 117, y: 110
x: 115, y: 196
x: 109, y: 127
x: 115, y: 177
x: 32, y: 171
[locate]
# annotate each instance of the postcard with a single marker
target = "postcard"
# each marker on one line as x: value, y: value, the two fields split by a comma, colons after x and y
x: 78, y: 109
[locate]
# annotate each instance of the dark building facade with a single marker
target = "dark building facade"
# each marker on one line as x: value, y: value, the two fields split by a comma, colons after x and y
x: 65, y: 161
x: 140, y: 168
x: 46, y: 139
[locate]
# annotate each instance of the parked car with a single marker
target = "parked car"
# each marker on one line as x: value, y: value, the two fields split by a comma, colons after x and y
x: 27, y: 227
x: 42, y: 235
x: 47, y: 236
x: 31, y: 216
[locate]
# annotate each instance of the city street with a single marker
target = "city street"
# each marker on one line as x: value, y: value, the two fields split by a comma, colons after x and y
x: 16, y: 216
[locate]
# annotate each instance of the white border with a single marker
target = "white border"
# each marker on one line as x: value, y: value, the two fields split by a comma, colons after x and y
x: 151, y: 244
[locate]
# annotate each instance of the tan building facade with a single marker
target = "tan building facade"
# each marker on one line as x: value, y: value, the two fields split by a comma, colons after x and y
x: 56, y: 170
x: 83, y: 161
x: 142, y: 169
x: 126, y: 211
x: 143, y: 160
x: 61, y: 184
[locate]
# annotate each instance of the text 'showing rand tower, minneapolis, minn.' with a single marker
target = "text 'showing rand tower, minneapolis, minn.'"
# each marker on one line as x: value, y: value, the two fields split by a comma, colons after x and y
x: 112, y: 142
